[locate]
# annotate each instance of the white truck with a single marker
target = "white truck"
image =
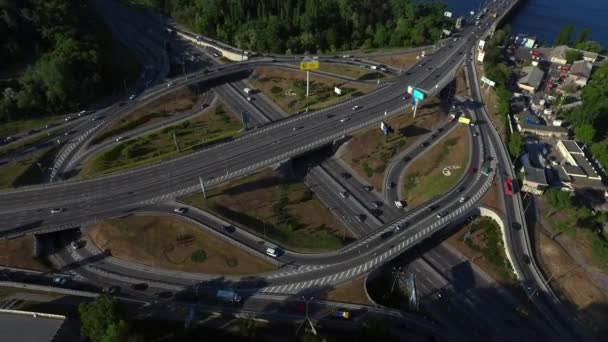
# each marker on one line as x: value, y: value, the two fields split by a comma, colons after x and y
x: 247, y: 91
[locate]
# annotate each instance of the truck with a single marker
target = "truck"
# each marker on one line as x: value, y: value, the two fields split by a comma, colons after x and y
x: 247, y: 91
x: 373, y: 67
x: 451, y: 117
x: 228, y: 296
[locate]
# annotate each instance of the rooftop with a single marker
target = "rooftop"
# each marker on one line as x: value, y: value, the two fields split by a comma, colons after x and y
x: 584, y: 164
x: 554, y: 129
x: 590, y: 55
x: 559, y: 52
x: 571, y: 146
x: 535, y: 175
x: 581, y: 69
x: 574, y: 170
x: 533, y: 76
x: 29, y: 326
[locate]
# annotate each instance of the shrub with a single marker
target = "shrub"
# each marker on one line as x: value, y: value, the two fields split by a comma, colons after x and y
x: 199, y: 256
x: 276, y: 90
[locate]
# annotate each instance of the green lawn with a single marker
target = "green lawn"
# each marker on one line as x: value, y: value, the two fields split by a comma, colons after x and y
x: 424, y: 179
x: 26, y: 171
x: 282, y: 210
x: 484, y: 236
x: 211, y: 127
x: 20, y: 126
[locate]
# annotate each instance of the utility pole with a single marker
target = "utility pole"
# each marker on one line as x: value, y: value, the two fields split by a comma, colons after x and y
x: 307, y: 88
x: 415, y: 107
x: 396, y: 273
x: 175, y: 142
x: 312, y: 327
x: 200, y: 180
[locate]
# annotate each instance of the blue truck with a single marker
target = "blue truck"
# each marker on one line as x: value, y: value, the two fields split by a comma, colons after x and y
x: 228, y: 296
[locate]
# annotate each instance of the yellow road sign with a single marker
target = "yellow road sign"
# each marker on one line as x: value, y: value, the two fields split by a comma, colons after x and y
x: 464, y: 120
x: 311, y: 65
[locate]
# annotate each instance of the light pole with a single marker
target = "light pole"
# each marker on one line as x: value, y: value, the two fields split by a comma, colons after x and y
x: 307, y: 318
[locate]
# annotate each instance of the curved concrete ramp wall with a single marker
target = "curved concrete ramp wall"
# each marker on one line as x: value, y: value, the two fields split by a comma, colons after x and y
x: 232, y: 54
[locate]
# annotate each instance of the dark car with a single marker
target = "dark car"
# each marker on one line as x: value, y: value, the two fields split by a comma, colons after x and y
x: 432, y: 208
x: 516, y: 226
x: 473, y: 170
x: 230, y: 229
x: 406, y: 159
x: 461, y: 189
x: 424, y: 144
x: 346, y: 175
x: 361, y: 218
x: 112, y: 289
x: 164, y: 294
x: 368, y: 188
x: 386, y: 234
x: 376, y: 212
x: 526, y: 259
x: 139, y: 286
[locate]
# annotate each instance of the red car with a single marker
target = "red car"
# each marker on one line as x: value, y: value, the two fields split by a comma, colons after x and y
x: 509, y: 186
x: 473, y: 170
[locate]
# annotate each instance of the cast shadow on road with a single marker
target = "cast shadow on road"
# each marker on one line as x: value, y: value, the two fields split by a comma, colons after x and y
x: 21, y: 229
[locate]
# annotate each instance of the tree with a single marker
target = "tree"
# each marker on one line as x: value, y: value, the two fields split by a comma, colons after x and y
x: 380, y: 36
x: 600, y: 151
x: 504, y: 96
x: 102, y: 319
x: 516, y: 145
x: 583, y: 36
x: 585, y: 133
x: 589, y: 46
x: 573, y: 55
x: 564, y: 36
x: 500, y: 73
x: 248, y: 327
x: 559, y: 199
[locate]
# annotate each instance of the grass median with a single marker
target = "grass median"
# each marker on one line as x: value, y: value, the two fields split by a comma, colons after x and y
x: 28, y: 171
x: 356, y: 72
x: 160, y: 109
x: 282, y: 210
x: 482, y: 241
x: 369, y: 152
x: 175, y: 244
x: 438, y: 170
x: 212, y: 127
x: 287, y: 88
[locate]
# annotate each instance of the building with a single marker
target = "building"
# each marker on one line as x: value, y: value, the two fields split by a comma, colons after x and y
x: 18, y: 325
x: 576, y: 163
x: 544, y: 130
x: 525, y: 41
x: 535, y: 180
x: 558, y: 55
x: 580, y: 72
x: 590, y: 56
x: 568, y: 149
x: 531, y: 80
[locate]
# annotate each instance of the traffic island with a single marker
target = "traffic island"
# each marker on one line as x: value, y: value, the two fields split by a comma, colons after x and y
x: 19, y: 253
x: 29, y: 170
x: 174, y: 244
x: 216, y: 125
x: 287, y: 88
x: 437, y: 170
x: 162, y: 108
x: 276, y: 208
x: 358, y: 72
x: 481, y: 242
x: 370, y: 151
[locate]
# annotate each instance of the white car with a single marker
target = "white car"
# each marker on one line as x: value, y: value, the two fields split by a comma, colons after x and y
x: 119, y: 139
x: 170, y: 84
x: 462, y: 199
x: 343, y: 119
x: 344, y: 194
x: 355, y: 107
x: 59, y: 280
x: 68, y: 118
x: 76, y: 244
x: 132, y: 97
x: 82, y: 112
x: 399, y: 204
x: 273, y: 252
x: 179, y: 210
x: 56, y: 210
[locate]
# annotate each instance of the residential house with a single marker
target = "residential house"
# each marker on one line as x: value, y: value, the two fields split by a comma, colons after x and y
x: 580, y: 73
x: 558, y: 55
x: 533, y: 76
x: 535, y: 180
x: 590, y: 56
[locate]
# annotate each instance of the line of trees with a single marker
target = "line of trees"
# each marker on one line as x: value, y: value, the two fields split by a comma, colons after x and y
x: 296, y: 26
x: 582, y: 42
x: 66, y: 52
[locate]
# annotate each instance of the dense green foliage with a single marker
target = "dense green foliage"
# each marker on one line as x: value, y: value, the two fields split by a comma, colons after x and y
x: 564, y: 37
x: 66, y: 49
x: 309, y: 25
x: 102, y: 320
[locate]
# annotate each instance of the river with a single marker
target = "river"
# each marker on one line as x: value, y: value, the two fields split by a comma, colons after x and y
x: 545, y: 18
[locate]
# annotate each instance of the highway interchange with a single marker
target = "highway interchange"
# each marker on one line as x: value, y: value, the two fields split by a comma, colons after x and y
x: 151, y: 189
